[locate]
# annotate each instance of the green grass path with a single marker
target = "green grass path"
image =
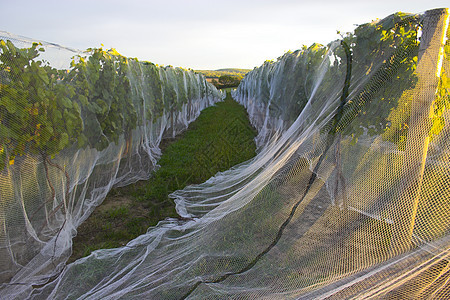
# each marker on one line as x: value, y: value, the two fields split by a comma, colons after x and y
x: 220, y: 138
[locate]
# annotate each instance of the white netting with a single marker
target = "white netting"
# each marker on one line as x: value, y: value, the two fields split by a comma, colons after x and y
x: 348, y: 196
x: 72, y: 131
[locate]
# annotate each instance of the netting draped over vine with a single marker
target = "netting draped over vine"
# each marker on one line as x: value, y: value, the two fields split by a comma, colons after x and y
x: 73, y: 125
x: 348, y: 196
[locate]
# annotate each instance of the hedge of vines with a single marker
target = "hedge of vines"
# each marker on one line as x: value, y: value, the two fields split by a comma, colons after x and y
x: 44, y: 110
x: 396, y: 37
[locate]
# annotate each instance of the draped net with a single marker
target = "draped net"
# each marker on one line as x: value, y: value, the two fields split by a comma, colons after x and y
x: 73, y: 125
x: 348, y: 196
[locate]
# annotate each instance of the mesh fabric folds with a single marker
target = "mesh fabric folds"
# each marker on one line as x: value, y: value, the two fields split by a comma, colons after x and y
x: 73, y: 125
x: 348, y: 196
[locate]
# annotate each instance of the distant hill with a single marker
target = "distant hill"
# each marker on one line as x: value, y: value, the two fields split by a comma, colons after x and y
x: 220, y: 72
x: 234, y: 70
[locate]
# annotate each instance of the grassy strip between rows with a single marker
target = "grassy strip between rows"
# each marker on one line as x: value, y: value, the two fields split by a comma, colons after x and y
x: 220, y: 138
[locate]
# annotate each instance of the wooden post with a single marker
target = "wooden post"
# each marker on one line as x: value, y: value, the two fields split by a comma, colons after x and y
x: 435, y: 23
x: 172, y: 123
x: 189, y: 110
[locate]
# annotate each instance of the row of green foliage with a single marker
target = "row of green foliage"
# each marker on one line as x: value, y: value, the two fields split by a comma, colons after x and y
x: 387, y: 51
x: 44, y: 110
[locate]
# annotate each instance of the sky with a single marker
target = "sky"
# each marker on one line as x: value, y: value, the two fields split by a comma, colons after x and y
x: 196, y: 34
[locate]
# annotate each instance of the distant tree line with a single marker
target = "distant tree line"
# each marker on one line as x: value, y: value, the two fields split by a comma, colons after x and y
x: 226, y: 81
x: 224, y: 78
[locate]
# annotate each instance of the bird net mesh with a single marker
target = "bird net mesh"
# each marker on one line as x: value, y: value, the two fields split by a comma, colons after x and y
x: 348, y: 196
